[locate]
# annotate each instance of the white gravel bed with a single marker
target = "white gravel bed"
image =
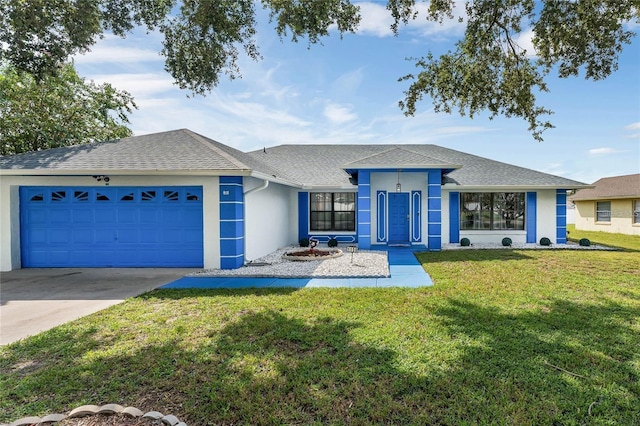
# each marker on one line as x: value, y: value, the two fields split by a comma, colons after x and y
x: 369, y: 264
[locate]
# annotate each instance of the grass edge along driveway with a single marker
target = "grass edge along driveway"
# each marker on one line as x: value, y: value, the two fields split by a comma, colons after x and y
x: 504, y: 337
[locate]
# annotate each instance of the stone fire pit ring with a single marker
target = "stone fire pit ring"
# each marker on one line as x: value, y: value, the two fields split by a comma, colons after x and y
x: 311, y: 255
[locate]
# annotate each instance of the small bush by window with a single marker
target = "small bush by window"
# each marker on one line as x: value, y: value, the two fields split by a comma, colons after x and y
x: 507, y: 242
x: 465, y: 242
x: 584, y: 242
x: 544, y: 241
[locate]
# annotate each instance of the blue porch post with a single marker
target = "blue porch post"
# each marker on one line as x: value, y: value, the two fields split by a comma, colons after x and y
x: 231, y: 222
x: 434, y: 215
x: 303, y: 215
x: 364, y: 210
x: 454, y: 217
x: 531, y: 217
x: 561, y: 216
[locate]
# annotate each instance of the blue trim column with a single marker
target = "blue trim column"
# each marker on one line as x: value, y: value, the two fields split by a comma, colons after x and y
x: 454, y: 217
x: 364, y: 209
x: 303, y: 215
x: 381, y: 222
x: 434, y: 215
x: 416, y: 217
x: 561, y: 216
x: 231, y: 222
x: 531, y: 217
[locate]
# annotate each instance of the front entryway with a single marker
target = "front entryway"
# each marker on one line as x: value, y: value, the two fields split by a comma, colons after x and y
x: 399, y: 218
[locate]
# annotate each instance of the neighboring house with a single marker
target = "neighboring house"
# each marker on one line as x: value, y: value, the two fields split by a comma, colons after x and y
x: 611, y: 205
x: 180, y: 199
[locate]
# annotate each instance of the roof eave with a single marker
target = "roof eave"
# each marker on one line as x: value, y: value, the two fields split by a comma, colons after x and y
x: 121, y: 172
x: 394, y: 167
x: 606, y: 197
x: 451, y: 185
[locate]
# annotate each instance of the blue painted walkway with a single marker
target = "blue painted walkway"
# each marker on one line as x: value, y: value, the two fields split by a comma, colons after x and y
x: 404, y: 271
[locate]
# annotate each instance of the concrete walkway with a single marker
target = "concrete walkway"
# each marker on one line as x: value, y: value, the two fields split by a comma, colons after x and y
x: 35, y: 300
x: 404, y: 271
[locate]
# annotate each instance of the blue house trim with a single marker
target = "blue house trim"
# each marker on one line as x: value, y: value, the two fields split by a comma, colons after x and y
x: 531, y: 217
x: 303, y: 215
x: 434, y: 214
x: 381, y: 200
x: 231, y: 222
x: 561, y: 216
x: 364, y: 210
x: 416, y: 225
x: 454, y: 217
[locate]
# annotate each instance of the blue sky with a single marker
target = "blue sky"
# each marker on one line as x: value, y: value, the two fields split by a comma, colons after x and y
x: 345, y: 91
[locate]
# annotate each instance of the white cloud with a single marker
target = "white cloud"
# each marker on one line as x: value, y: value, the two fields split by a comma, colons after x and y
x: 377, y: 20
x: 525, y: 42
x: 603, y: 151
x: 339, y: 114
x: 111, y: 54
x: 633, y: 126
x: 139, y: 85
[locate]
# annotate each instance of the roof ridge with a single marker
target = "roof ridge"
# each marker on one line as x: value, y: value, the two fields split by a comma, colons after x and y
x: 205, y: 141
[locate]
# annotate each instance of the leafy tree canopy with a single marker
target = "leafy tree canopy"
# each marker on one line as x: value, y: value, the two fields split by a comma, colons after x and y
x: 58, y: 110
x: 487, y: 70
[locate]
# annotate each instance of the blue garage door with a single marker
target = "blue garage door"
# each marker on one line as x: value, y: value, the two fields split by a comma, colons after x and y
x: 111, y: 226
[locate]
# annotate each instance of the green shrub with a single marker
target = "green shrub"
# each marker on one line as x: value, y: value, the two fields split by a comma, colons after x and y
x: 332, y: 242
x: 506, y: 241
x: 544, y: 241
x: 584, y: 242
x: 304, y: 242
x: 465, y: 242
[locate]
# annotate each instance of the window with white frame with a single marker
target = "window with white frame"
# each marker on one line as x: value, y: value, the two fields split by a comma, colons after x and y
x: 636, y: 211
x: 333, y: 211
x: 603, y: 211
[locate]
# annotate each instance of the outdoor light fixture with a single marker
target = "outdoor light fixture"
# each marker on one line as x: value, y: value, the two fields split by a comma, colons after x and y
x: 102, y: 178
x: 398, y: 186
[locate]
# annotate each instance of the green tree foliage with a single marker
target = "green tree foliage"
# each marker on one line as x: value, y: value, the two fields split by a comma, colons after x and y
x: 58, y: 110
x: 486, y: 72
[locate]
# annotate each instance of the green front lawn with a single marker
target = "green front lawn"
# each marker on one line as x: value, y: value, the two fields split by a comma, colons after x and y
x: 511, y: 337
x: 628, y: 242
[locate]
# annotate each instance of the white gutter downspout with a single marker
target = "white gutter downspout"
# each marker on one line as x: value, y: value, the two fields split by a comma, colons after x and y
x: 245, y: 193
x: 259, y: 188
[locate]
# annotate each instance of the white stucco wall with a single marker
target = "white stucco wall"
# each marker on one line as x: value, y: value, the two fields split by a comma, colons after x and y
x: 269, y: 223
x: 546, y: 221
x: 10, y: 208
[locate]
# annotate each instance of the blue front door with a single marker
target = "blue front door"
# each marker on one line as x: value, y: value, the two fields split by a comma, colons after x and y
x: 399, y: 218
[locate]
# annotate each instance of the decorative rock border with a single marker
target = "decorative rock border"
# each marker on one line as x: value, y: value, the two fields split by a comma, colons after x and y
x: 89, y: 410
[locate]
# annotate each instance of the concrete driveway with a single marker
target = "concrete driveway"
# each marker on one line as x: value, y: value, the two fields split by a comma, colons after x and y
x: 35, y: 300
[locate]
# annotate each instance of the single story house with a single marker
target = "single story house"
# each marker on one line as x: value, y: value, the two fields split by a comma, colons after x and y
x: 611, y: 205
x: 179, y: 199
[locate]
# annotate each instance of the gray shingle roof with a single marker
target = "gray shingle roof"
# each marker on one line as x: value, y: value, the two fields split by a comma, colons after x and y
x: 300, y: 165
x: 323, y: 165
x: 627, y: 186
x: 177, y: 150
x: 398, y: 158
